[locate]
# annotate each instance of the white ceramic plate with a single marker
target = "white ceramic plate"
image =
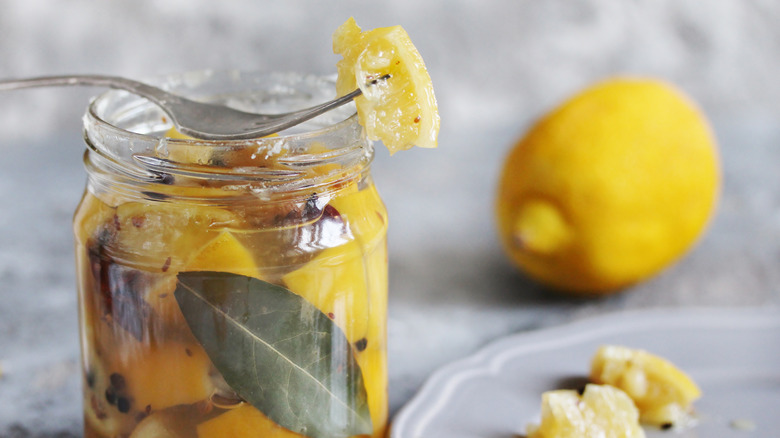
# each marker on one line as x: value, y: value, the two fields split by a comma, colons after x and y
x: 733, y: 354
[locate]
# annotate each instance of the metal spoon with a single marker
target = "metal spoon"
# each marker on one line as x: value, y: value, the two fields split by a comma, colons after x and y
x: 197, y: 119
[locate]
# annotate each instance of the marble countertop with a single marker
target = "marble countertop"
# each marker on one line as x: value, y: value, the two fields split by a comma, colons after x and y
x: 452, y: 291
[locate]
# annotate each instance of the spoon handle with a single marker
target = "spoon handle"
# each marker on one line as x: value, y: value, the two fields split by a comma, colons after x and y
x: 154, y: 94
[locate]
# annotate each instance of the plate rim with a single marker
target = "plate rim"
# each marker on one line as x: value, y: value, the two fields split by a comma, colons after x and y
x: 425, y: 404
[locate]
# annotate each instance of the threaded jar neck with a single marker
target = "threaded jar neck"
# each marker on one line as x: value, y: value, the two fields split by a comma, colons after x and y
x: 130, y: 150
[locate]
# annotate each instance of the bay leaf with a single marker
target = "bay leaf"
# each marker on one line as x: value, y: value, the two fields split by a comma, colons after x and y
x: 278, y: 352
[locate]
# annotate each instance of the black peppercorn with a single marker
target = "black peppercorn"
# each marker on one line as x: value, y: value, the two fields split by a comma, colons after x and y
x: 123, y: 405
x: 110, y: 395
x: 361, y: 344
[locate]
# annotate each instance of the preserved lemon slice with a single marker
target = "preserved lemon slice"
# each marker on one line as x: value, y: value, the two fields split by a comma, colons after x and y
x: 224, y: 254
x: 400, y: 111
x: 601, y: 411
x: 161, y: 236
x: 338, y: 279
x: 245, y: 421
x: 335, y: 282
x: 663, y: 393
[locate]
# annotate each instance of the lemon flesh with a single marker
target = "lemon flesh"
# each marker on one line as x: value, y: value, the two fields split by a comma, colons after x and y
x: 663, y: 393
x: 400, y: 111
x: 601, y: 411
x: 610, y: 188
x: 243, y: 422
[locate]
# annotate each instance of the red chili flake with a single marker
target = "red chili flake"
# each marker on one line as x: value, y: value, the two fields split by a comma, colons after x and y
x: 164, y: 119
x: 188, y: 351
x: 96, y: 406
x: 166, y: 265
x: 417, y: 119
x: 117, y: 223
x: 330, y: 212
x: 331, y: 315
x: 204, y: 407
x: 95, y: 265
x: 138, y: 221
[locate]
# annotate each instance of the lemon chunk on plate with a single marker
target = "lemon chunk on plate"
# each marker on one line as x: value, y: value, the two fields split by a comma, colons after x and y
x: 401, y: 110
x: 663, y: 393
x: 601, y: 411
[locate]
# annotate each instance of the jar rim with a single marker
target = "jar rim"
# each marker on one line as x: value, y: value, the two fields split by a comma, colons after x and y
x: 109, y: 130
x: 93, y: 111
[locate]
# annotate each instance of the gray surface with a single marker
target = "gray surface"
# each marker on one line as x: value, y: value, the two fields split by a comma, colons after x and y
x: 495, y: 68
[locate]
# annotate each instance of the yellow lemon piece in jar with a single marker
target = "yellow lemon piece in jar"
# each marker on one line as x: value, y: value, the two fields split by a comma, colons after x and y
x: 161, y: 236
x: 601, y: 411
x: 364, y: 211
x: 174, y: 422
x: 401, y: 111
x: 609, y: 188
x: 161, y: 376
x: 243, y: 422
x: 663, y: 393
x: 338, y: 280
x: 224, y: 254
x: 335, y: 282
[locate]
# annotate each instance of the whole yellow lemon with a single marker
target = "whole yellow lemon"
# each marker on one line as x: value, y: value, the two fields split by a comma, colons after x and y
x: 610, y: 188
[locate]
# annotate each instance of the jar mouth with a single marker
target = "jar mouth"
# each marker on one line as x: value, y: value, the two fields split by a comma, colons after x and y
x: 133, y: 134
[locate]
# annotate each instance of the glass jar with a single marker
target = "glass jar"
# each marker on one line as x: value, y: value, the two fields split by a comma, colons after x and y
x: 231, y: 288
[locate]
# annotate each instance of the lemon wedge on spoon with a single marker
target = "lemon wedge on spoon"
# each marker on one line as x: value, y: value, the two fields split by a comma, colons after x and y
x: 398, y: 105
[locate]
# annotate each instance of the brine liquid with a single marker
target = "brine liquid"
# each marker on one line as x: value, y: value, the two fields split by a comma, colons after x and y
x: 146, y: 374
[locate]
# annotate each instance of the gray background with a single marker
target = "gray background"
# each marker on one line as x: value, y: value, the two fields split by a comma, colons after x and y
x: 496, y: 66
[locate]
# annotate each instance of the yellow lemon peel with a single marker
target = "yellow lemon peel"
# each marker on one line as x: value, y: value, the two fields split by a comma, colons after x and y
x: 608, y: 189
x: 401, y: 111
